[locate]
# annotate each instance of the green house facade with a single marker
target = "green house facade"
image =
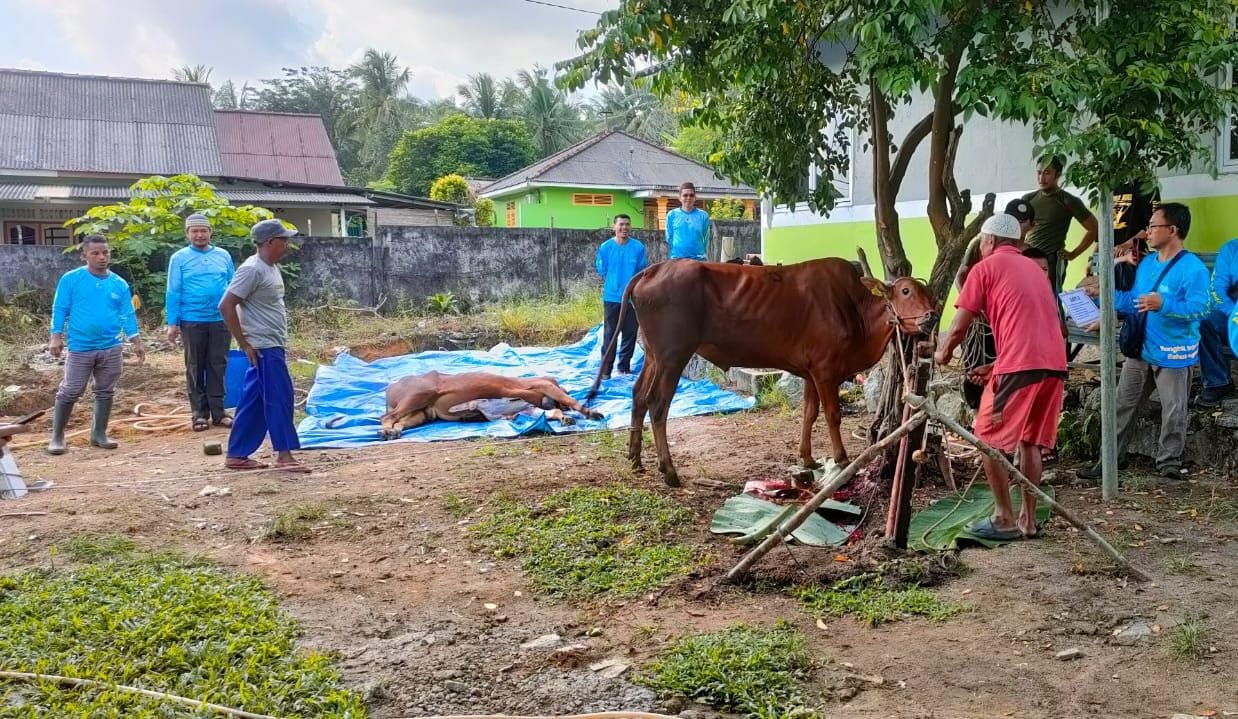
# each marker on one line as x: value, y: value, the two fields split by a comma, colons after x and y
x: 608, y: 174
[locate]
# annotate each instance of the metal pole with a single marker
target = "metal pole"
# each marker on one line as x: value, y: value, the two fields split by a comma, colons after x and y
x: 1108, y: 352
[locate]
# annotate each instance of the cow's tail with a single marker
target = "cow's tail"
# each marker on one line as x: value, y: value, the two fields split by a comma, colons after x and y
x: 608, y: 353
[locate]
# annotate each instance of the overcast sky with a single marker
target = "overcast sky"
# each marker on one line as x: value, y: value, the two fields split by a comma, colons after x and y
x: 441, y: 41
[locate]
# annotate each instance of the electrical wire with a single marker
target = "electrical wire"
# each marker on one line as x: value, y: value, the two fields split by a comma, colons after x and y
x: 563, y: 7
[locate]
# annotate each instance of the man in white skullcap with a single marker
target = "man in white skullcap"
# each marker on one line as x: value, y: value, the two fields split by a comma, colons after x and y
x: 197, y: 277
x: 1022, y: 398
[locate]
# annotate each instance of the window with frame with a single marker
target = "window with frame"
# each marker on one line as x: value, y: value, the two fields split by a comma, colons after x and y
x: 511, y: 214
x: 1227, y: 145
x: 593, y: 200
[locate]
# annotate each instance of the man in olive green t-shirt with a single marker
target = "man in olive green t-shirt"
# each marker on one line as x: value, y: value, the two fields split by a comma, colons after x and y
x: 1055, y: 208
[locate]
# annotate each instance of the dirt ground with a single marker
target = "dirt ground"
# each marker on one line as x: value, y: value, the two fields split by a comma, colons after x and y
x: 389, y: 583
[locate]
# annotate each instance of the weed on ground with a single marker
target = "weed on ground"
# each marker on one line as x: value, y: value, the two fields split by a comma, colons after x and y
x: 585, y: 542
x: 757, y: 672
x: 295, y: 522
x: 1188, y: 641
x: 161, y: 624
x: 873, y: 599
x: 546, y: 318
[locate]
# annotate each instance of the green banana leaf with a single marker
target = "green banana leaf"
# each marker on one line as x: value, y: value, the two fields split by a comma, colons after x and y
x: 745, y: 514
x: 941, y: 525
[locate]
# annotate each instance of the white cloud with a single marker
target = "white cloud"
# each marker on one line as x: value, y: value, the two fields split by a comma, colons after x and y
x: 131, y: 42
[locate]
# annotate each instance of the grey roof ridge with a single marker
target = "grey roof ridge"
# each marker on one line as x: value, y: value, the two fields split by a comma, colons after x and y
x: 263, y: 112
x: 45, y: 73
x: 557, y: 158
x: 134, y: 122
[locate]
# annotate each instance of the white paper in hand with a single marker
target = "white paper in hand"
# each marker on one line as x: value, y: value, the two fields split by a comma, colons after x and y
x: 1080, y: 307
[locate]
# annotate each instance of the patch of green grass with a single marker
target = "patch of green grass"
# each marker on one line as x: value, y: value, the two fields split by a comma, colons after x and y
x: 609, y: 445
x: 585, y: 541
x: 547, y: 319
x: 1182, y: 565
x: 295, y: 522
x: 456, y: 506
x: 95, y: 548
x: 773, y: 397
x: 757, y: 672
x: 1189, y: 640
x: 866, y: 598
x: 163, y: 625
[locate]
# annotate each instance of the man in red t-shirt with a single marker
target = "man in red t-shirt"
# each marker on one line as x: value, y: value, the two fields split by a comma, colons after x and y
x: 1022, y: 397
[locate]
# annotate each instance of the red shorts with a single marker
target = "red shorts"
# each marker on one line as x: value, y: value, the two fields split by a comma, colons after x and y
x: 1030, y: 415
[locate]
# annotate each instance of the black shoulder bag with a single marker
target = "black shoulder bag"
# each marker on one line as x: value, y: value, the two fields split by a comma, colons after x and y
x: 1135, y: 327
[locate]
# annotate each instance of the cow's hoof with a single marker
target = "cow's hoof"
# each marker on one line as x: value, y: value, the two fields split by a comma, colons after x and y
x: 809, y: 463
x: 671, y: 478
x: 566, y: 421
x: 388, y: 434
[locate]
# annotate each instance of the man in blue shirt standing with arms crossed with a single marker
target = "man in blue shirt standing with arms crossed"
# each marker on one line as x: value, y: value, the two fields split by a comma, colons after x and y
x: 618, y: 260
x: 687, y: 227
x: 198, y: 275
x: 1174, y: 310
x: 94, y: 307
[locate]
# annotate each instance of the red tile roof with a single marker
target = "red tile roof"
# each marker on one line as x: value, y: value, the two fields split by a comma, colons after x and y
x: 276, y: 147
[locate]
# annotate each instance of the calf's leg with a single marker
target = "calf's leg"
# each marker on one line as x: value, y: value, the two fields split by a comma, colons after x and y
x: 828, y: 389
x: 640, y: 407
x: 663, y: 391
x: 812, y: 406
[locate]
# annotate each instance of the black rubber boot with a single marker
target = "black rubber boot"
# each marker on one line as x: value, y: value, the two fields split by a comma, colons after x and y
x: 60, y: 420
x: 98, y: 430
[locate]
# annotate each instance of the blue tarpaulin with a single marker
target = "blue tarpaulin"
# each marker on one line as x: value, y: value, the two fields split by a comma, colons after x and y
x: 352, y: 394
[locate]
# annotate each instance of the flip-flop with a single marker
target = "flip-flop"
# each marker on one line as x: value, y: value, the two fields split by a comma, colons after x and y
x: 986, y: 530
x: 245, y: 464
x: 200, y: 424
x: 224, y: 421
x: 294, y: 467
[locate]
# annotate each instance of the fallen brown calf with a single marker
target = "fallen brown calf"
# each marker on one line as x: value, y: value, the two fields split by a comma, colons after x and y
x: 414, y: 400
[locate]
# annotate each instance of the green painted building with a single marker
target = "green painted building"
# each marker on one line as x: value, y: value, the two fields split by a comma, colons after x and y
x: 610, y: 173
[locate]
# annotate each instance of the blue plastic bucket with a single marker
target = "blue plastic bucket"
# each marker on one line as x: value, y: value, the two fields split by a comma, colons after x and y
x: 234, y: 378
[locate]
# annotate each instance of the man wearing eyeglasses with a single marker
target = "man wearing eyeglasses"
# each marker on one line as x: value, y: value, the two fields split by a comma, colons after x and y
x: 687, y: 227
x: 1173, y: 292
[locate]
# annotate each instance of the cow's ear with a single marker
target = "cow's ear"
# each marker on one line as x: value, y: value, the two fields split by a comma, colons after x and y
x: 876, y: 286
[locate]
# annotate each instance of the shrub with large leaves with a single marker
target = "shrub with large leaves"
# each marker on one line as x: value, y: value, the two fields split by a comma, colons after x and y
x: 145, y: 230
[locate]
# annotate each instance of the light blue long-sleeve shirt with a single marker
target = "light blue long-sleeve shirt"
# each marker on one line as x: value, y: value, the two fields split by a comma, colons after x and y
x: 197, y: 280
x: 1225, y: 275
x: 1172, y: 338
x: 93, y: 311
x: 617, y: 264
x: 687, y: 233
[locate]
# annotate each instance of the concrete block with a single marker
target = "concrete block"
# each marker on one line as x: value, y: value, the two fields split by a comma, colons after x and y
x: 753, y: 381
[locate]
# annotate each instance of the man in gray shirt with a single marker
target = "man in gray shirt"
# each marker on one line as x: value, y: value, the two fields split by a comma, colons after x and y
x: 253, y: 309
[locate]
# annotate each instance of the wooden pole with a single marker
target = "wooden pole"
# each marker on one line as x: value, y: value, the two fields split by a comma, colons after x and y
x: 899, y: 517
x: 779, y: 535
x: 926, y: 406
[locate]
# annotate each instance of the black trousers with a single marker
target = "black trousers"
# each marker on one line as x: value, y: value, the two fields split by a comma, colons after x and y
x: 206, y: 362
x: 627, y: 344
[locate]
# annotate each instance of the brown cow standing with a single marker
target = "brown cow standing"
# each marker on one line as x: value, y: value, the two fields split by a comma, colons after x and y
x: 819, y: 320
x: 416, y: 399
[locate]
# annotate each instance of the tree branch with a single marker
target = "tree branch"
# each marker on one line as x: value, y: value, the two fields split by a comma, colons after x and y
x: 939, y: 143
x: 902, y: 159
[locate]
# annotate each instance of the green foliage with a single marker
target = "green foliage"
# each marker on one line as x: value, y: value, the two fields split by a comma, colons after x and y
x: 163, y: 625
x: 868, y: 598
x: 451, y: 188
x: 585, y: 542
x: 461, y: 145
x: 727, y: 208
x: 144, y: 231
x: 1078, y: 435
x: 332, y: 94
x: 636, y: 110
x: 696, y: 143
x: 483, y: 212
x: 442, y: 303
x: 487, y: 98
x: 547, y: 319
x: 554, y: 120
x: 756, y: 672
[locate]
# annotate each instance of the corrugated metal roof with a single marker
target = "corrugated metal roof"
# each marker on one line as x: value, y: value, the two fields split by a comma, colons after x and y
x: 29, y: 192
x: 50, y: 121
x: 278, y: 147
x: 617, y: 159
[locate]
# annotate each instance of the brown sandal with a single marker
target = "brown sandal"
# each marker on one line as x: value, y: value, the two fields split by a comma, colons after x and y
x: 244, y: 464
x: 224, y: 421
x: 200, y: 424
x: 294, y: 467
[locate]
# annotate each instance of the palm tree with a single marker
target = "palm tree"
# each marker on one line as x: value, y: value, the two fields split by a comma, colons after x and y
x: 383, y: 116
x: 554, y: 120
x: 487, y: 98
x: 197, y: 73
x: 635, y: 110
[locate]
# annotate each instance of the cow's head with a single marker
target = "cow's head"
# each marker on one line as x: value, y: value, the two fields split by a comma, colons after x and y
x: 909, y: 304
